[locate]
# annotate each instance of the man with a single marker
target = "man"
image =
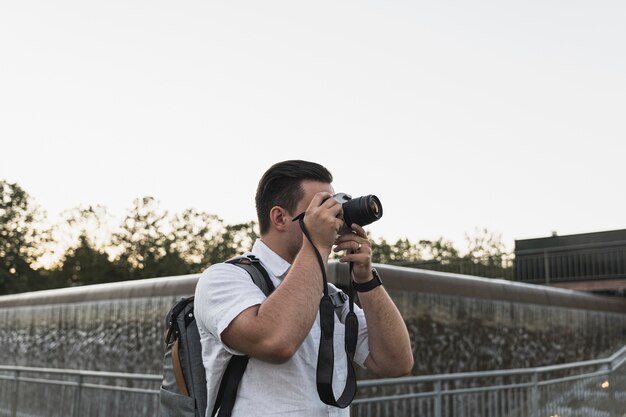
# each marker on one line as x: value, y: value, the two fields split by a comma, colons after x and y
x: 281, y: 333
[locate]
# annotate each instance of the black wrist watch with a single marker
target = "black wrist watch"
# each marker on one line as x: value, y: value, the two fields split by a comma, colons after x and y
x: 369, y: 285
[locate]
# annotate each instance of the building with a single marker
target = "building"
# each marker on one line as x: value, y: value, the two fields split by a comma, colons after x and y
x: 594, y: 262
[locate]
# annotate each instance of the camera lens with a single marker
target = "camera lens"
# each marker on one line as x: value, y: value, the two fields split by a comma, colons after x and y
x: 374, y: 207
x: 362, y: 210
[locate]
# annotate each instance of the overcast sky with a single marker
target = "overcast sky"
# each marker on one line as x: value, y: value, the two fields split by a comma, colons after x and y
x: 503, y: 115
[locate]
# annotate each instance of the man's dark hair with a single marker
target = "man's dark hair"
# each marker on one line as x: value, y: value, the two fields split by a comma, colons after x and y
x: 280, y: 186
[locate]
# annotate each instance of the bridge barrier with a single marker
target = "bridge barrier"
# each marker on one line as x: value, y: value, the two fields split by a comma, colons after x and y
x: 458, y: 324
x: 595, y: 388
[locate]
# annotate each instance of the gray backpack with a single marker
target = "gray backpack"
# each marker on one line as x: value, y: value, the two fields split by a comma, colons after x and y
x: 183, y: 392
x: 184, y: 389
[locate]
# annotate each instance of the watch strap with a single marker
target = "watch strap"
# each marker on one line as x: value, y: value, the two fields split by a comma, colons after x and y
x: 369, y: 285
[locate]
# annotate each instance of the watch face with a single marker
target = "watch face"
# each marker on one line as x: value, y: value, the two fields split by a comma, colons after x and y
x: 376, y: 275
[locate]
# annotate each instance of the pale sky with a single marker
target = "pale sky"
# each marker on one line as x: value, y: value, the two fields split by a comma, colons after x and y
x: 458, y: 115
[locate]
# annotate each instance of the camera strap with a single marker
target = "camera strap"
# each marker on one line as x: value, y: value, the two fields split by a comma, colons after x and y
x: 326, y: 355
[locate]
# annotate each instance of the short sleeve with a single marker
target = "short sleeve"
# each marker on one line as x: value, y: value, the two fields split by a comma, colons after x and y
x: 222, y: 293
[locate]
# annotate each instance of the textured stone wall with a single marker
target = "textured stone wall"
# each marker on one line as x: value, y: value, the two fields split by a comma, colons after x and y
x: 454, y: 334
x: 448, y: 333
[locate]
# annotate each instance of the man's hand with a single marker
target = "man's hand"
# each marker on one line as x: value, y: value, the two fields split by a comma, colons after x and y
x: 359, y: 251
x: 323, y: 219
x: 388, y: 337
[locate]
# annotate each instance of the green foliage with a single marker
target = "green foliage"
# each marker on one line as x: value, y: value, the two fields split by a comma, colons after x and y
x: 486, y: 256
x: 145, y: 247
x: 400, y: 252
x: 486, y: 248
x: 150, y: 242
x: 407, y: 252
x: 21, y: 241
x: 440, y: 250
x: 202, y: 239
x: 90, y: 222
x: 84, y: 265
x: 235, y: 239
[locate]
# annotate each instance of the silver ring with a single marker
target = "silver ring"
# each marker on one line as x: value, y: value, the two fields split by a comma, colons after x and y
x: 359, y: 248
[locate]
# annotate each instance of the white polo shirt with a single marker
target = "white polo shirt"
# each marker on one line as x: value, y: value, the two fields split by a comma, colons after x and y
x: 266, y: 389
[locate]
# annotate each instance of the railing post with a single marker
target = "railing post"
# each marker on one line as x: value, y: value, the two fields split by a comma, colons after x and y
x: 612, y: 405
x: 16, y: 394
x: 437, y: 398
x: 79, y: 391
x: 534, y: 396
x: 546, y: 266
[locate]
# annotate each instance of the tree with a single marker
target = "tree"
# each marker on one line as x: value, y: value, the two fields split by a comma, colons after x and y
x: 85, y: 265
x: 197, y: 237
x: 235, y: 239
x: 402, y: 252
x: 22, y: 240
x: 91, y: 222
x: 440, y: 250
x: 85, y: 235
x: 381, y: 251
x: 486, y: 248
x: 144, y: 246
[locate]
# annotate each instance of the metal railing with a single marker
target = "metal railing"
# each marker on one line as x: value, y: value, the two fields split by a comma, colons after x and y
x: 546, y: 266
x: 579, y: 263
x: 488, y: 267
x: 590, y: 388
x: 28, y: 391
x: 595, y: 388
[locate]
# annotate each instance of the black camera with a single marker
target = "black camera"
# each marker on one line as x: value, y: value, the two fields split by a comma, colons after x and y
x: 360, y: 210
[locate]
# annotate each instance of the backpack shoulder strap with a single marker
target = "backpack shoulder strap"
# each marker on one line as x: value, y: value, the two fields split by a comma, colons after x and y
x: 253, y: 266
x: 259, y: 275
x: 236, y: 367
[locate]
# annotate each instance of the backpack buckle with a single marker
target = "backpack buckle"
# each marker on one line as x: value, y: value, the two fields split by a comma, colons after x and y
x: 338, y: 298
x: 253, y: 259
x: 248, y: 260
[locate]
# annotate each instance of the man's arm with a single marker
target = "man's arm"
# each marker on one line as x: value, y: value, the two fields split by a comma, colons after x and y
x: 274, y: 330
x: 389, y: 342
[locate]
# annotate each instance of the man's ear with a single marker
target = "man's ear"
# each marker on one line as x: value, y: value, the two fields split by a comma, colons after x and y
x: 279, y: 218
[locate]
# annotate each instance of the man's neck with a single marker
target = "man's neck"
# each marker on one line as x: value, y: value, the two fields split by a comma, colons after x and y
x: 276, y: 247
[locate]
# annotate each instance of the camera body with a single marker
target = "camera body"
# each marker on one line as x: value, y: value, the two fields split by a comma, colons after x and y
x: 360, y: 210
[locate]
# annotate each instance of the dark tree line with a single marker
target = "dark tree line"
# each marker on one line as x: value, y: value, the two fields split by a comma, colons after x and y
x: 151, y: 242
x: 21, y: 244
x: 485, y: 256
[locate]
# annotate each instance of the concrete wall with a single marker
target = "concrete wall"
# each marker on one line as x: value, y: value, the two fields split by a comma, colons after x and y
x: 457, y: 323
